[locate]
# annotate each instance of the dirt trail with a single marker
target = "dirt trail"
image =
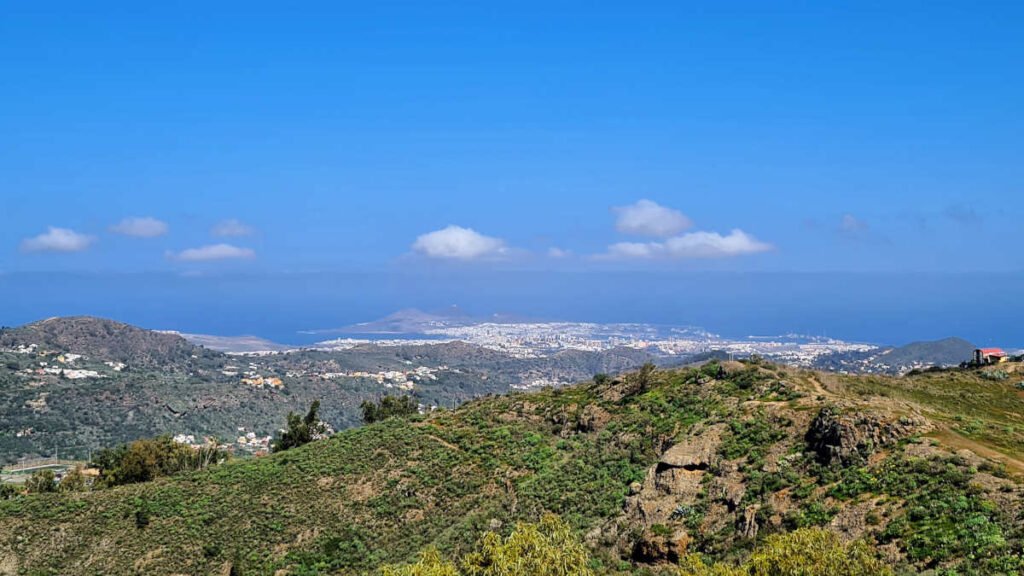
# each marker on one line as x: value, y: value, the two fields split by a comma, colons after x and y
x: 953, y: 440
x: 818, y: 388
x: 444, y: 443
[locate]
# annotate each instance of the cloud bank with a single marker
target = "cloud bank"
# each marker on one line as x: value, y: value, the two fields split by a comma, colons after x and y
x: 690, y: 246
x: 458, y: 243
x: 57, y: 240
x: 141, y: 227
x: 213, y: 252
x: 647, y: 218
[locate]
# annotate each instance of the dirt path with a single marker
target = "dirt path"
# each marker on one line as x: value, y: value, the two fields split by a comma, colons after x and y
x: 953, y: 440
x: 444, y: 443
x: 817, y: 387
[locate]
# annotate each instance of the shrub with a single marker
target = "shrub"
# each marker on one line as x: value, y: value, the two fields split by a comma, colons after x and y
x: 41, y: 481
x: 997, y: 375
x: 7, y: 491
x: 147, y: 459
x: 805, y: 552
x: 547, y: 548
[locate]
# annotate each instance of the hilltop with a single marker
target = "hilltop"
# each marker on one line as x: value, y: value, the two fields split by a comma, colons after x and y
x: 102, y: 339
x: 945, y: 352
x: 902, y: 359
x: 644, y: 468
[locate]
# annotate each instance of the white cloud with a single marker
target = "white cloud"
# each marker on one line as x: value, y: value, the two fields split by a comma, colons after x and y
x: 213, y: 252
x: 647, y: 218
x: 634, y: 250
x: 555, y: 252
x: 144, y: 227
x: 690, y: 246
x: 458, y: 243
x: 231, y: 228
x: 714, y: 245
x: 57, y: 240
x: 850, y: 224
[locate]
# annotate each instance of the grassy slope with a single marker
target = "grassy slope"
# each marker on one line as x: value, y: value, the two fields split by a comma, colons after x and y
x: 381, y: 493
x: 976, y: 409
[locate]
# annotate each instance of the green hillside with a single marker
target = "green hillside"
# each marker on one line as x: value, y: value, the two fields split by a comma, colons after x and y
x: 645, y: 470
x: 74, y: 385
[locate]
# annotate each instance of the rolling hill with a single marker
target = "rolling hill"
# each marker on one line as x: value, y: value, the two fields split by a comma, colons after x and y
x: 74, y: 385
x: 925, y: 469
x: 104, y: 340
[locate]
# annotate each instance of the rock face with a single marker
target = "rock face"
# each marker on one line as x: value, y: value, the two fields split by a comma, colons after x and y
x: 836, y: 437
x: 673, y: 484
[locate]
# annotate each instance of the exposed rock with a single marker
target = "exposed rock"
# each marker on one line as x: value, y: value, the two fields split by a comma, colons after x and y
x: 593, y: 418
x: 749, y: 522
x: 730, y: 489
x: 8, y: 565
x: 852, y: 521
x: 573, y: 419
x: 619, y: 389
x: 697, y: 452
x: 676, y: 481
x: 850, y: 438
x: 653, y: 549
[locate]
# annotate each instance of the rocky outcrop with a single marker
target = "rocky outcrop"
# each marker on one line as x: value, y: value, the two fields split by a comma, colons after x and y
x: 675, y: 483
x: 836, y: 436
x: 573, y: 419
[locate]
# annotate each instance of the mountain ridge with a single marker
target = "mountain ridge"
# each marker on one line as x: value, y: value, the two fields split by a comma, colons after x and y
x: 103, y: 339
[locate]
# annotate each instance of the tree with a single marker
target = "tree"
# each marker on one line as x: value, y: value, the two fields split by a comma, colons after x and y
x: 41, y: 482
x: 149, y: 458
x: 301, y: 430
x: 644, y: 378
x: 389, y: 407
x: 601, y: 379
x: 74, y: 481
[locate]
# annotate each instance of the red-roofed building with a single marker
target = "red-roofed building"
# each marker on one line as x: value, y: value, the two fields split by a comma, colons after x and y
x: 989, y: 356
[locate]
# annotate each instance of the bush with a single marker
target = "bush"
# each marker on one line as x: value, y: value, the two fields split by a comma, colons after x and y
x: 547, y: 548
x: 41, y: 482
x: 147, y: 459
x: 805, y: 552
x: 7, y: 491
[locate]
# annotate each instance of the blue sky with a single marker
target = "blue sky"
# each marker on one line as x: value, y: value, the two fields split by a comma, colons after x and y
x: 589, y: 137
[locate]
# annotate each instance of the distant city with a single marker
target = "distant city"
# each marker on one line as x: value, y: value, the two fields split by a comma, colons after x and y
x: 525, y: 339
